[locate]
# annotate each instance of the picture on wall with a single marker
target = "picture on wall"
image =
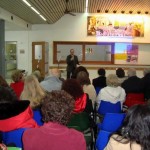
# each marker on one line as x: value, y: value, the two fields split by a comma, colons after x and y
x: 125, y: 26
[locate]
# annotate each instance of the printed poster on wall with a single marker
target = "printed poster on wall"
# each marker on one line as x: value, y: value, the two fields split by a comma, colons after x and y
x: 126, y: 53
x: 125, y: 26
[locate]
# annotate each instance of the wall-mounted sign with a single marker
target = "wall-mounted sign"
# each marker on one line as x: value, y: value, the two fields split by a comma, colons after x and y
x: 123, y: 26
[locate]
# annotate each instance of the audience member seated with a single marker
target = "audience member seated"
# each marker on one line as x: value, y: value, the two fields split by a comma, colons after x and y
x: 133, y: 88
x: 14, y: 114
x: 100, y: 82
x: 146, y: 83
x: 88, y: 88
x: 82, y: 101
x: 78, y: 69
x: 121, y: 75
x: 34, y: 93
x: 112, y: 92
x: 4, y: 83
x: 38, y: 75
x: 56, y: 109
x: 135, y: 131
x: 18, y: 83
x: 133, y: 84
x: 52, y: 82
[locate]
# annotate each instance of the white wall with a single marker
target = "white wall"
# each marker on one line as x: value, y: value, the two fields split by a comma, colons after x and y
x: 68, y: 28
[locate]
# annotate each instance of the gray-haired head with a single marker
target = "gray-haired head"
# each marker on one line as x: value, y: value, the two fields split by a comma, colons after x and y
x: 131, y: 72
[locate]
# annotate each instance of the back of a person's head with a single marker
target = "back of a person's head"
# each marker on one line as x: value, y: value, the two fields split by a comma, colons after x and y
x: 37, y: 74
x: 112, y: 80
x: 136, y: 125
x: 131, y: 72
x: 79, y: 69
x: 55, y: 72
x: 101, y: 72
x: 57, y: 107
x: 73, y: 87
x: 6, y: 95
x: 83, y: 78
x: 120, y: 73
x: 16, y: 75
x: 146, y: 71
x: 32, y: 90
x: 3, y: 82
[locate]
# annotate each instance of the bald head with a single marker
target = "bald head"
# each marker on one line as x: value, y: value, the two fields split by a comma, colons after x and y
x: 55, y: 72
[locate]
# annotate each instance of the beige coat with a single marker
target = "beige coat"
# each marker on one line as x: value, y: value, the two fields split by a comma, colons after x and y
x: 114, y: 145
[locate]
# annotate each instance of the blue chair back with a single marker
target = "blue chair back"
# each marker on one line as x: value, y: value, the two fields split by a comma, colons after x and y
x: 102, y: 139
x: 112, y: 122
x: 107, y: 107
x: 13, y: 137
x: 97, y: 89
x: 37, y: 116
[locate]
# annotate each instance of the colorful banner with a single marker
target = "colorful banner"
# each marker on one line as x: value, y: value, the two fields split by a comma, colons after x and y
x: 125, y: 26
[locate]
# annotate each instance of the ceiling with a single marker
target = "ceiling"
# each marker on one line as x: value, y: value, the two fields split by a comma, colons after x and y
x: 53, y: 10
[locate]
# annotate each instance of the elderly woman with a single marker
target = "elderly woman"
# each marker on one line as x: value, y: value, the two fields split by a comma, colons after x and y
x: 56, y: 109
x: 112, y: 92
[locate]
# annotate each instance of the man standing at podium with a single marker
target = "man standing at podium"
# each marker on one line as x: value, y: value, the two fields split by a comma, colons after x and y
x: 72, y: 61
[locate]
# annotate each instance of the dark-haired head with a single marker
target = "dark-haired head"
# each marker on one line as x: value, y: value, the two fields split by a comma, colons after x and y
x: 79, y: 69
x: 6, y: 95
x: 101, y: 72
x: 136, y: 126
x: 83, y: 78
x: 73, y: 87
x: 57, y: 107
x: 120, y: 73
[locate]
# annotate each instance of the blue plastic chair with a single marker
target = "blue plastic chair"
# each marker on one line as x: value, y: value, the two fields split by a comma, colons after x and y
x: 97, y: 89
x: 13, y: 137
x: 107, y: 107
x: 112, y: 122
x: 37, y: 116
x: 102, y: 139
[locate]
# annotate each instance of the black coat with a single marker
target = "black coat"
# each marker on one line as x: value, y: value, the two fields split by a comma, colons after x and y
x: 99, y: 82
x: 71, y: 64
x: 132, y: 85
x: 146, y: 85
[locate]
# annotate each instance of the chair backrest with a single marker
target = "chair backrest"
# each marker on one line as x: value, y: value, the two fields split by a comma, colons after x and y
x: 102, y: 139
x: 37, y: 116
x: 13, y: 137
x: 134, y: 98
x: 97, y: 89
x: 112, y: 121
x: 107, y: 107
x: 81, y: 120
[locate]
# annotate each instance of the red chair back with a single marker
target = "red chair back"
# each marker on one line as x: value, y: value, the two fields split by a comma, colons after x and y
x: 134, y: 98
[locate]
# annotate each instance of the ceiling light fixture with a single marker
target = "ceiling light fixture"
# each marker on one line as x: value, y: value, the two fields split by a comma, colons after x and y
x: 122, y: 11
x: 42, y: 17
x: 114, y: 11
x: 98, y: 11
x: 27, y: 3
x: 130, y: 12
x: 146, y: 12
x: 35, y: 10
x: 106, y: 11
x: 86, y: 7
